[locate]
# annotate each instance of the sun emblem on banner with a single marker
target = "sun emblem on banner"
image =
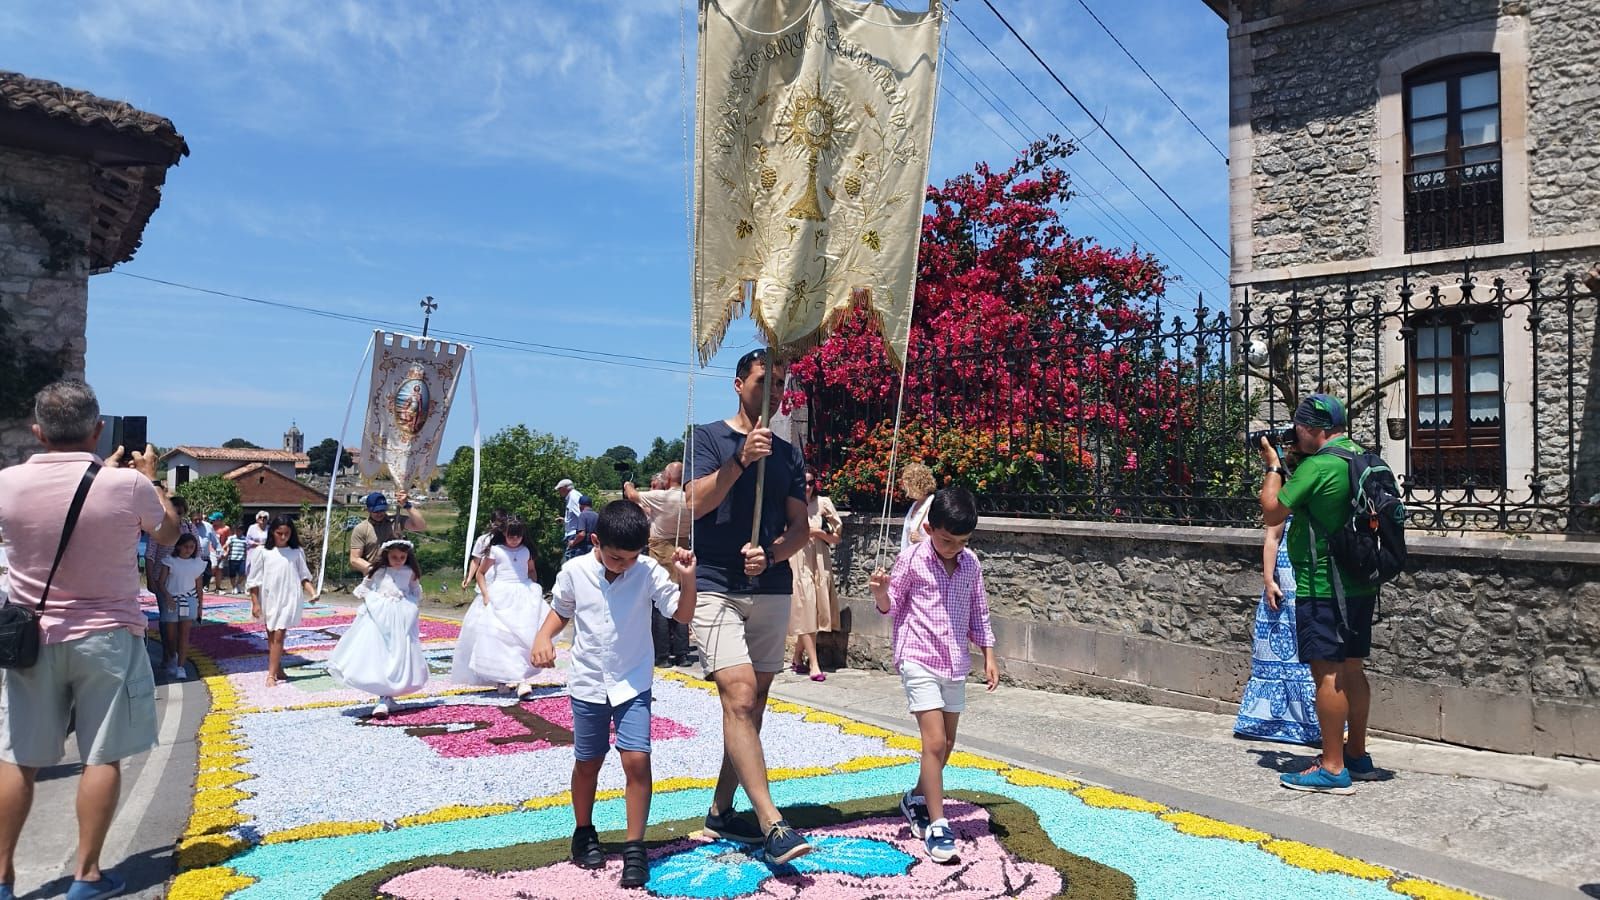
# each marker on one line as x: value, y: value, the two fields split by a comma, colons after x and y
x: 813, y: 125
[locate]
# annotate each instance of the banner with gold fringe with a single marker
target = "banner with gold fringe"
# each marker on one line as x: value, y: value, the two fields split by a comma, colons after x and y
x: 815, y: 122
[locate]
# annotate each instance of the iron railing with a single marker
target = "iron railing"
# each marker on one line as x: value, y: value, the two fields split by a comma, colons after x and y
x: 1147, y: 424
x: 1458, y: 206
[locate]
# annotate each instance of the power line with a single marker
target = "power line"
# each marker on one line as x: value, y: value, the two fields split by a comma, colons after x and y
x: 502, y: 343
x: 1088, y: 149
x: 1088, y: 191
x: 1109, y: 33
x: 1101, y: 125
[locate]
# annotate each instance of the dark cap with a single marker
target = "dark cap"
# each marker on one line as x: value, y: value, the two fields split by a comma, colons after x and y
x: 1321, y: 411
x: 376, y: 502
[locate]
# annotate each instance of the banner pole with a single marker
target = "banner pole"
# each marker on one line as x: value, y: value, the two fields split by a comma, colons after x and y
x: 761, y: 464
x: 338, y: 453
x: 477, y: 467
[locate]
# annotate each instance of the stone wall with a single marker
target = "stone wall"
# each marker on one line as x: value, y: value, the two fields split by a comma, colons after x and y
x: 1310, y: 82
x: 43, y: 283
x: 1491, y: 643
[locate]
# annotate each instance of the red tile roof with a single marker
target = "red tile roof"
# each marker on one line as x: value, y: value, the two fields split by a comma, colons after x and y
x: 238, y: 454
x: 261, y: 485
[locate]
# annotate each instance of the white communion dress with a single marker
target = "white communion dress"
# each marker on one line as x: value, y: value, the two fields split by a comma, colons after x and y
x: 381, y: 654
x: 278, y: 572
x: 498, y: 631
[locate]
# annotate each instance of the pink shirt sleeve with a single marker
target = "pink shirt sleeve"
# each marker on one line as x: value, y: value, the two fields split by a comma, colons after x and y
x: 982, y: 632
x: 146, y: 505
x: 900, y: 581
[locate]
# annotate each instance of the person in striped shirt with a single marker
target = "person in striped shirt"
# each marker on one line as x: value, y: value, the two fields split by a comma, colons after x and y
x: 936, y: 597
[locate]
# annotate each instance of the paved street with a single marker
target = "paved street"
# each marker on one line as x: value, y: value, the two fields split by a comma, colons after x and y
x: 470, y: 802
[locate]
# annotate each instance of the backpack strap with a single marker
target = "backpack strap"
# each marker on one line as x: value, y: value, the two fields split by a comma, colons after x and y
x: 1353, y: 462
x: 73, y: 511
x: 1334, y: 578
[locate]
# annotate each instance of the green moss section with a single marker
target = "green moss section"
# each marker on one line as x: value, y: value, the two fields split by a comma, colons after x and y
x: 1015, y: 825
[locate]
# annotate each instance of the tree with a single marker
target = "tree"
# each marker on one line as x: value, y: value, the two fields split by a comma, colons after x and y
x: 662, y: 451
x: 321, y: 457
x: 622, y: 453
x: 239, y: 444
x: 1034, y: 359
x: 213, y: 493
x: 520, y: 469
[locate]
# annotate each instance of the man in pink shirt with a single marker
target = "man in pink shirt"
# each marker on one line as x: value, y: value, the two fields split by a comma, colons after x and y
x: 93, y: 670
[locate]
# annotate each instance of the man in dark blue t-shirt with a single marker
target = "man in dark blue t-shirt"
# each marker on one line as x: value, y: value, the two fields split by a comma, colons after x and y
x: 742, y: 614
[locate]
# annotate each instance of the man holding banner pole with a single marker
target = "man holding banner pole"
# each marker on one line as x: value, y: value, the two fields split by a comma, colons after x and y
x: 742, y: 615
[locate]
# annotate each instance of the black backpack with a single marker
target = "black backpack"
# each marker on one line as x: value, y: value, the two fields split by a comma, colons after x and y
x: 1371, y: 545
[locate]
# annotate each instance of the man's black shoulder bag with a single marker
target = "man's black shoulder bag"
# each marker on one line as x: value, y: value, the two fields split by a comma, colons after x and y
x: 19, y: 626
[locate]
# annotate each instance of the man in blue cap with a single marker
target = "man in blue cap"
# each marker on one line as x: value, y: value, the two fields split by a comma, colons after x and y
x: 368, y: 538
x: 1319, y: 497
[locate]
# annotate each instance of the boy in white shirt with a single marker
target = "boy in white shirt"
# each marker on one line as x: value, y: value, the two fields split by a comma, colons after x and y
x: 610, y: 592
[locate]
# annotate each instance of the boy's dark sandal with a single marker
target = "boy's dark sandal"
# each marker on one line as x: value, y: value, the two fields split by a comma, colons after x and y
x: 635, y: 865
x: 586, y: 852
x: 784, y: 844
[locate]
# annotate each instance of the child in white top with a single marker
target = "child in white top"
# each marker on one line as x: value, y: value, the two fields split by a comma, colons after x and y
x: 382, y: 651
x: 498, y: 630
x: 278, y: 579
x: 185, y: 570
x: 609, y: 592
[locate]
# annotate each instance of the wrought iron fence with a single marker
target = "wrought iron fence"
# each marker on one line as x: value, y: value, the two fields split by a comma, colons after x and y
x: 1483, y: 397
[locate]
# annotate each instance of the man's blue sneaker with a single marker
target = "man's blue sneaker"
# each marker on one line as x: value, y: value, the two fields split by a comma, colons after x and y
x: 729, y: 827
x: 1318, y: 780
x: 915, y: 809
x: 940, y: 842
x: 107, y: 885
x: 1361, y: 768
x: 7, y: 893
x: 784, y: 844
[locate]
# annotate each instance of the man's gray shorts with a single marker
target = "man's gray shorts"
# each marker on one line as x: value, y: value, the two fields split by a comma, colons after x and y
x: 101, y: 683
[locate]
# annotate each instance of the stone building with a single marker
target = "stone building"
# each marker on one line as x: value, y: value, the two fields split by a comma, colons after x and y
x: 1378, y: 140
x: 1379, y: 151
x: 80, y: 176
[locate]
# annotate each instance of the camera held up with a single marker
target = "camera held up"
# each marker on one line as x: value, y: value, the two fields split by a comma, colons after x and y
x: 1280, y: 438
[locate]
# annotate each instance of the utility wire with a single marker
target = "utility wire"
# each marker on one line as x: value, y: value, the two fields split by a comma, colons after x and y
x: 1088, y: 149
x: 1118, y: 41
x: 1101, y: 125
x: 1086, y: 189
x: 555, y: 350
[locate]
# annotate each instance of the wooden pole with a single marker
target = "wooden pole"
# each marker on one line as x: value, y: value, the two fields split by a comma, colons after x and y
x: 761, y: 465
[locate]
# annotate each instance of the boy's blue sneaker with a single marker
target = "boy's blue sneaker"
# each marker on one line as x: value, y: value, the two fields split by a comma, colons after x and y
x: 940, y: 842
x: 1318, y: 780
x: 729, y: 827
x: 107, y: 885
x: 784, y: 844
x: 915, y: 809
x: 1361, y: 768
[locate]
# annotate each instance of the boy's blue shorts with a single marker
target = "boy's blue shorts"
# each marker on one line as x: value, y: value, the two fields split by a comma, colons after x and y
x: 591, y: 726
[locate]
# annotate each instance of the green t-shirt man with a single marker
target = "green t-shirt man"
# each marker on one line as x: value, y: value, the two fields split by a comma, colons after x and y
x: 1319, y: 493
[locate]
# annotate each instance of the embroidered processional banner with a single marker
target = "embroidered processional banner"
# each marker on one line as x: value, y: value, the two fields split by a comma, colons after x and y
x: 413, y: 383
x: 815, y: 122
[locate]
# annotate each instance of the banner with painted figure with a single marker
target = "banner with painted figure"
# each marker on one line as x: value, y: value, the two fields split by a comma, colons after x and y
x: 413, y: 383
x: 815, y: 122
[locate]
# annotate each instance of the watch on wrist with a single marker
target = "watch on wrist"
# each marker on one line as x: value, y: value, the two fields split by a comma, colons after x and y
x: 1280, y: 470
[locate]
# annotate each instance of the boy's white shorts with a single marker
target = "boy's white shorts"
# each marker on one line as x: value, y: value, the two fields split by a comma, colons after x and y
x: 926, y: 690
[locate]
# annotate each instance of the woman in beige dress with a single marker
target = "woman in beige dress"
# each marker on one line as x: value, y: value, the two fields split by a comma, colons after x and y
x: 815, y: 606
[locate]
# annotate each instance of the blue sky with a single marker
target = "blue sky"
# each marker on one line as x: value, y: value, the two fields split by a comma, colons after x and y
x: 523, y: 163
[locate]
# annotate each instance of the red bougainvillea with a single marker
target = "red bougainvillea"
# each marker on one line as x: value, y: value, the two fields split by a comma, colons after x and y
x: 1019, y: 327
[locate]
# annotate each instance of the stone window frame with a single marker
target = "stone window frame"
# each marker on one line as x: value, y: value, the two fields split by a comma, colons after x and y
x: 1507, y: 38
x: 1484, y: 444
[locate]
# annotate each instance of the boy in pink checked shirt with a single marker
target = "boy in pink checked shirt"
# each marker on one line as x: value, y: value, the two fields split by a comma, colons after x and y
x: 937, y: 599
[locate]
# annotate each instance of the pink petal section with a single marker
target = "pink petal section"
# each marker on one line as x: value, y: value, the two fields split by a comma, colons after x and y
x: 987, y: 871
x: 477, y: 730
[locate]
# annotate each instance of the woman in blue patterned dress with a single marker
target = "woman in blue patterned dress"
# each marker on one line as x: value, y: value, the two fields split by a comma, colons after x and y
x: 1280, y: 699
